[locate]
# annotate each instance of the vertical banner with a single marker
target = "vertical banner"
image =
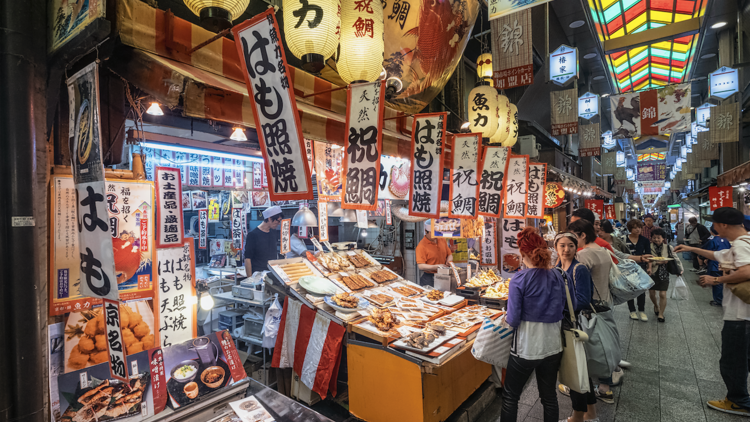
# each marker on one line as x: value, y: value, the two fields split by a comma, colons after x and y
x: 535, y: 200
x: 564, y: 112
x: 464, y: 186
x: 207, y: 179
x: 674, y: 108
x: 239, y: 172
x: 609, y: 162
x: 388, y: 216
x: 512, y: 55
x: 84, y: 139
x: 720, y: 197
x: 194, y: 170
x: 202, y: 229
x: 494, y: 166
x: 175, y: 299
x: 725, y: 123
x: 169, y: 225
x: 237, y: 235
x: 509, y: 254
x: 706, y: 150
x: 158, y: 379
x: 328, y: 169
x: 323, y: 221
x: 180, y: 158
x: 609, y: 212
x: 217, y: 172
x: 118, y: 367
x: 649, y: 101
x: 148, y: 162
x: 516, y: 186
x: 427, y: 164
x: 257, y: 176
x: 621, y: 177
x: 489, y: 243
x: 227, y: 165
x: 286, y: 232
x: 590, y: 140
x: 274, y: 107
x: 596, y: 206
x: 364, y: 145
x: 309, y: 154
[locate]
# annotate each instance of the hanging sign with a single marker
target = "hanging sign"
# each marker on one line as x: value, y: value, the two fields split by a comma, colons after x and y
x: 168, y: 207
x: 362, y: 219
x: 464, y: 187
x: 596, y: 206
x: 194, y: 170
x: 323, y: 221
x: 706, y: 150
x: 309, y: 154
x: 364, y: 144
x: 328, y: 169
x: 590, y: 139
x: 609, y: 162
x: 652, y: 112
x: 510, y: 256
x: 202, y: 229
x: 286, y: 233
x: 427, y: 164
x: 388, y: 216
x: 702, y: 114
x: 563, y: 65
x: 512, y: 55
x: 725, y: 123
x: 554, y: 195
x: 175, y: 298
x: 720, y: 197
x: 499, y: 8
x: 607, y: 140
x: 494, y: 166
x: 206, y: 171
x: 239, y: 172
x: 588, y: 106
x: 148, y: 162
x: 609, y: 212
x: 227, y: 165
x: 537, y: 179
x: 489, y: 243
x: 217, y: 173
x: 118, y: 367
x: 274, y: 107
x: 237, y: 237
x: 651, y: 171
x: 723, y: 82
x: 258, y: 176
x: 516, y: 186
x: 564, y: 112
x: 621, y: 176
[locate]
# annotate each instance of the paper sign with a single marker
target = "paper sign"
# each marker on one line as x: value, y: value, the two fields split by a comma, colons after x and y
x: 228, y: 163
x: 239, y: 173
x: 516, y: 186
x: 116, y: 346
x: 510, y: 257
x: 362, y: 219
x: 175, y: 299
x: 206, y: 171
x: 535, y: 199
x: 609, y: 212
x: 464, y: 186
x: 388, y: 216
x: 596, y: 206
x: 317, y: 244
x: 286, y: 233
x: 217, y: 172
x: 257, y: 176
x: 202, y: 229
x: 427, y: 164
x: 194, y: 170
x: 489, y: 243
x: 455, y: 273
x: 238, y: 239
x: 494, y: 166
x: 168, y: 207
x: 323, y: 220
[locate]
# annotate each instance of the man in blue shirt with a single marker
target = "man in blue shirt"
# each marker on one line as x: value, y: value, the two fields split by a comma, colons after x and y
x: 716, y: 243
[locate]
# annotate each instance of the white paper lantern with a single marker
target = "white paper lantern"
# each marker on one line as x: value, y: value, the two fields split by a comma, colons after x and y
x: 503, y: 121
x: 484, y: 66
x: 311, y: 30
x: 513, y: 131
x: 362, y: 45
x: 222, y: 9
x: 483, y: 110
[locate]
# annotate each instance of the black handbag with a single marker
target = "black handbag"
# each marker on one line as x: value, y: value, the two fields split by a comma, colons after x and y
x: 672, y: 266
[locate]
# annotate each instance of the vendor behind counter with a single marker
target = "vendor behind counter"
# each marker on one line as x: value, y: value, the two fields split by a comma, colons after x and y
x: 431, y: 254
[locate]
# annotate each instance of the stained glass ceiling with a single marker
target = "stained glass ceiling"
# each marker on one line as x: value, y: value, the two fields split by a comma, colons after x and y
x: 651, y: 157
x: 617, y: 18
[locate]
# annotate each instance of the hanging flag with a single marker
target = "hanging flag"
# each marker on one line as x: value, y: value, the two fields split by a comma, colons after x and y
x: 609, y: 212
x: 194, y: 170
x: 328, y: 169
x: 535, y: 199
x: 217, y: 172
x: 169, y: 225
x: 428, y: 134
x: 516, y: 186
x: 725, y: 123
x: 323, y: 220
x: 274, y: 107
x: 494, y: 166
x: 509, y: 254
x: 652, y: 112
x: 564, y: 112
x: 464, y: 187
x: 720, y: 197
x: 590, y: 140
x: 512, y: 55
x: 609, y: 162
x: 364, y: 145
x: 202, y: 229
x: 286, y: 233
x: 596, y: 206
x: 489, y: 243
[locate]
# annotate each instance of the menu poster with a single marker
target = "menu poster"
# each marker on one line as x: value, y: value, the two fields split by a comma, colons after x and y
x: 218, y: 172
x: 194, y: 170
x: 596, y: 206
x: 509, y: 254
x: 175, y: 301
x: 158, y: 379
x: 286, y: 233
x: 537, y: 179
x: 323, y: 221
x: 168, y: 207
x: 228, y: 165
x: 388, y: 216
x: 362, y: 219
x: 516, y: 186
x: 489, y: 243
x: 464, y: 186
x: 427, y: 164
x: 239, y: 172
x: 494, y: 166
x: 206, y: 171
x: 329, y: 162
x: 609, y: 212
x: 115, y: 342
x: 237, y: 235
x: 202, y: 229
x: 720, y: 197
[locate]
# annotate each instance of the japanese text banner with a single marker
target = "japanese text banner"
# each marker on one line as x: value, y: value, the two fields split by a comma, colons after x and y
x: 535, y: 199
x: 169, y: 225
x: 177, y: 307
x: 274, y: 107
x: 596, y: 206
x: 512, y: 55
x: 464, y: 187
x: 285, y: 231
x: 427, y: 164
x: 489, y: 243
x: 564, y: 112
x: 118, y: 367
x: 609, y: 212
x: 509, y: 253
x: 720, y: 197
x: 364, y: 145
x: 494, y: 166
x: 590, y: 140
x: 516, y: 186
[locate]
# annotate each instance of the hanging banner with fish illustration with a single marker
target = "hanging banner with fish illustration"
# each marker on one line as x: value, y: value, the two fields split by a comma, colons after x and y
x: 512, y: 56
x: 653, y: 112
x: 500, y: 8
x: 564, y: 112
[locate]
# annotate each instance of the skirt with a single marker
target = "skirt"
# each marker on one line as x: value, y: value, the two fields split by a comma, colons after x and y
x: 661, y: 284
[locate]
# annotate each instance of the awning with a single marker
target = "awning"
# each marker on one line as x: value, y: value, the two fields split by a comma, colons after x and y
x: 734, y: 176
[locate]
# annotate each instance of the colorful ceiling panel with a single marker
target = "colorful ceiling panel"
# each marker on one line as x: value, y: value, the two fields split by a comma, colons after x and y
x: 617, y: 18
x: 651, y: 157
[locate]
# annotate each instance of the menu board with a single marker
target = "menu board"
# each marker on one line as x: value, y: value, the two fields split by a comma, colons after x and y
x: 516, y: 186
x: 175, y: 300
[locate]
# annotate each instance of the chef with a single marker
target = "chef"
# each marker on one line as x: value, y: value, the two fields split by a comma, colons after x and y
x: 431, y: 254
x: 261, y: 244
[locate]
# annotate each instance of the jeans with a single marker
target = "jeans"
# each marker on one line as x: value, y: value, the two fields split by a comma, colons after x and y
x: 581, y: 401
x: 735, y: 345
x: 518, y: 372
x: 718, y: 290
x: 641, y: 303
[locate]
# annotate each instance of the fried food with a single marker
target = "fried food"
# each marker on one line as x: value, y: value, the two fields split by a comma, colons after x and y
x: 135, y: 319
x: 101, y: 342
x: 435, y: 295
x: 135, y: 348
x: 356, y: 282
x: 110, y: 398
x: 77, y: 359
x: 380, y: 299
x: 437, y: 328
x: 329, y: 262
x: 383, y: 276
x: 498, y: 290
x: 345, y: 300
x: 148, y: 341
x: 358, y: 261
x: 141, y: 330
x: 483, y: 279
x: 383, y: 319
x: 125, y: 313
x: 90, y: 329
x: 127, y: 337
x: 407, y: 290
x: 86, y: 345
x: 99, y: 357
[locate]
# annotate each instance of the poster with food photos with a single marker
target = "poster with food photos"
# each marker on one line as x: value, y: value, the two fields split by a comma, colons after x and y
x: 168, y: 207
x: 207, y: 177
x: 464, y: 184
x: 535, y: 198
x: 329, y: 165
x: 175, y: 301
x: 494, y: 165
x: 269, y: 84
x: 516, y: 186
x: 428, y: 135
x: 510, y: 257
x: 489, y: 243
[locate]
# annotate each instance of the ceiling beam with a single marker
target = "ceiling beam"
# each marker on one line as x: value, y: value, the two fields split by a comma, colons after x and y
x: 667, y: 32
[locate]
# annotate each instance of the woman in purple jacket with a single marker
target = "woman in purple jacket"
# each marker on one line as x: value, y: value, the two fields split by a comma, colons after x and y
x: 536, y: 300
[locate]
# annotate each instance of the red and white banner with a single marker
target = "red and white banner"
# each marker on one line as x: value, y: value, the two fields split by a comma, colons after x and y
x: 311, y: 344
x: 286, y: 235
x: 535, y: 198
x: 202, y: 229
x: 364, y: 145
x: 266, y: 73
x: 596, y: 206
x: 168, y: 207
x: 494, y: 166
x: 489, y: 242
x: 720, y: 197
x: 428, y: 135
x: 609, y: 212
x: 464, y: 186
x: 516, y: 186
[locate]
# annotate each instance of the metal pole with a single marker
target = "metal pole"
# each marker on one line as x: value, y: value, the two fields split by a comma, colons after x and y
x: 23, y: 310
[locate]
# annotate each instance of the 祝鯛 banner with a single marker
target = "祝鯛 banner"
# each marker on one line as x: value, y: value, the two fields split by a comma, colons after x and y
x: 175, y: 301
x: 516, y: 186
x: 596, y: 206
x: 564, y: 111
x: 512, y: 56
x: 428, y: 132
x: 535, y: 198
x: 489, y: 243
x: 590, y: 140
x: 609, y: 212
x: 464, y: 187
x: 494, y: 166
x: 168, y: 207
x: 364, y: 145
x: 274, y: 107
x: 720, y: 197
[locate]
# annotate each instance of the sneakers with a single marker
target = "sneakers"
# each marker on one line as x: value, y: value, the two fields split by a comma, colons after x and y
x: 617, y: 377
x: 644, y: 318
x: 694, y: 270
x: 701, y: 272
x: 607, y: 397
x: 634, y: 316
x: 714, y: 303
x: 727, y: 406
x: 564, y: 389
x: 625, y: 364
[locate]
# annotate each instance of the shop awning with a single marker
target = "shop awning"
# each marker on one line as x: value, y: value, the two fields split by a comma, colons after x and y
x: 734, y: 176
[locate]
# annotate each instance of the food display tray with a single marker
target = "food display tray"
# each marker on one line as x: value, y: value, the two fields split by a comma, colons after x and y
x: 401, y: 343
x: 275, y: 266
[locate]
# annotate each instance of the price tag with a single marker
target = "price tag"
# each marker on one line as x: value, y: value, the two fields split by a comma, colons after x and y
x: 316, y: 243
x: 364, y: 313
x: 441, y: 349
x: 343, y: 274
x: 134, y: 367
x: 455, y: 273
x: 404, y: 331
x: 328, y: 245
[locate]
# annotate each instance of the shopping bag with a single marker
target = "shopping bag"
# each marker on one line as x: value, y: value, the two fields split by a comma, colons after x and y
x: 603, y: 352
x: 271, y: 324
x: 627, y: 281
x: 493, y: 342
x: 573, y: 370
x: 680, y: 291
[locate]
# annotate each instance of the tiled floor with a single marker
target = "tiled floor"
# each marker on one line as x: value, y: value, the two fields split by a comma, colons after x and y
x: 675, y: 367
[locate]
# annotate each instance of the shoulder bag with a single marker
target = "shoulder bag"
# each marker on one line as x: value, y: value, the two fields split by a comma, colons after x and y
x: 597, y: 305
x: 627, y: 280
x: 672, y: 266
x: 742, y: 289
x: 573, y: 367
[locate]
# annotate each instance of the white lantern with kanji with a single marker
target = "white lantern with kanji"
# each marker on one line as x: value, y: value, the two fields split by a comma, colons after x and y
x: 513, y: 132
x: 362, y: 45
x: 311, y: 30
x: 503, y: 121
x: 483, y: 104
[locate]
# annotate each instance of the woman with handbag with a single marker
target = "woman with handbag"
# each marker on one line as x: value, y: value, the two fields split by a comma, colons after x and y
x: 536, y: 299
x: 660, y: 271
x: 638, y: 246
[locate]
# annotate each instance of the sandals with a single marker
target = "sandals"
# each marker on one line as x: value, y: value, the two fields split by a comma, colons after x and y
x: 660, y: 319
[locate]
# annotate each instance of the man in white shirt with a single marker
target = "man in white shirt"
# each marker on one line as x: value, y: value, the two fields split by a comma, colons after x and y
x: 735, y: 336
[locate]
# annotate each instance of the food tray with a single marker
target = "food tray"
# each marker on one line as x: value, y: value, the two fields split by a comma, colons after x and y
x: 401, y: 343
x: 368, y: 271
x: 337, y: 278
x: 276, y: 267
x: 361, y: 306
x: 494, y: 303
x: 367, y: 293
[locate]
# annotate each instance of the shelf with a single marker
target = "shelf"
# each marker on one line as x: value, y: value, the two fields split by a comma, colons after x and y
x: 228, y: 297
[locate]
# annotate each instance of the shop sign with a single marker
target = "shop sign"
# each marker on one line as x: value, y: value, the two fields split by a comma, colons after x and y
x: 257, y: 176
x: 175, y: 299
x: 499, y: 8
x: 66, y: 19
x: 239, y: 171
x: 725, y: 123
x: 621, y: 177
x: 148, y: 162
x: 388, y: 216
x: 512, y: 55
x: 194, y: 170
x: 563, y: 65
x: 328, y: 169
x: 323, y: 220
x: 206, y: 171
x: 217, y: 172
x: 509, y: 253
x: 537, y: 179
x: 264, y: 63
x: 489, y: 243
x: 590, y: 140
x: 237, y: 235
x: 702, y: 114
x: 494, y: 166
x: 723, y: 82
x: 609, y: 212
x: 428, y: 135
x: 169, y: 207
x: 596, y: 206
x: 607, y: 140
x: 652, y: 112
x: 554, y: 195
x: 228, y: 165
x: 286, y: 232
x: 564, y: 112
x: 652, y: 171
x: 180, y: 160
x: 118, y: 367
x: 516, y: 186
x: 609, y: 162
x: 202, y: 229
x: 364, y: 145
x: 720, y: 197
x: 464, y: 187
x: 588, y: 106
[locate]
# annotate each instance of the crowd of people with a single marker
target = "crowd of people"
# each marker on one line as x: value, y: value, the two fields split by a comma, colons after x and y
x: 574, y: 273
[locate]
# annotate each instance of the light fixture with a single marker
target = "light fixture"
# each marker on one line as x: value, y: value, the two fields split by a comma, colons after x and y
x: 577, y: 24
x: 484, y: 66
x: 217, y: 15
x: 735, y: 186
x: 312, y: 32
x: 238, y: 135
x: 598, y: 78
x: 334, y: 209
x: 465, y: 127
x: 350, y: 216
x: 743, y: 184
x: 361, y: 46
x: 718, y: 25
x: 207, y: 302
x: 483, y: 109
x: 393, y: 86
x: 504, y: 120
x: 590, y: 56
x: 708, y: 56
x: 155, y: 110
x: 179, y: 148
x: 513, y: 128
x: 304, y: 217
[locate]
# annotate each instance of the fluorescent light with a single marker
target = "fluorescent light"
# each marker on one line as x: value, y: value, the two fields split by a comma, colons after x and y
x: 577, y: 24
x: 155, y: 110
x: 238, y: 135
x: 189, y: 150
x: 718, y: 25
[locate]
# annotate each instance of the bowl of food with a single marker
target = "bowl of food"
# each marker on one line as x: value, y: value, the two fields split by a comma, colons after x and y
x: 185, y: 371
x: 213, y: 376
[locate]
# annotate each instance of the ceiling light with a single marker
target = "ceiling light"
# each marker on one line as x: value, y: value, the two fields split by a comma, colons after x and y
x: 238, y: 135
x: 155, y: 110
x: 305, y: 217
x: 577, y: 24
x: 718, y: 25
x: 598, y: 78
x: 708, y: 56
x: 590, y: 56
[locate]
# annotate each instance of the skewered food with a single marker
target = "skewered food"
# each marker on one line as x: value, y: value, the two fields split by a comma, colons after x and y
x: 329, y: 262
x: 356, y: 282
x: 111, y: 398
x: 383, y: 276
x: 407, y: 290
x: 383, y: 319
x: 435, y: 295
x: 296, y: 270
x: 358, y: 261
x: 380, y: 299
x: 345, y: 300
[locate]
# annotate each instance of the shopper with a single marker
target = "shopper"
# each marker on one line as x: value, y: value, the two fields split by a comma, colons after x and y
x: 588, y: 215
x: 716, y: 243
x: 648, y: 221
x: 664, y: 224
x: 696, y: 234
x: 638, y: 246
x: 735, y: 336
x: 659, y: 273
x: 536, y: 300
x: 608, y: 234
x: 261, y: 244
x: 432, y: 253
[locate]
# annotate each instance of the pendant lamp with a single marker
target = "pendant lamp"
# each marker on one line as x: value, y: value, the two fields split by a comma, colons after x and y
x: 483, y: 104
x: 361, y: 46
x: 513, y: 131
x: 311, y: 30
x: 217, y: 15
x: 484, y: 67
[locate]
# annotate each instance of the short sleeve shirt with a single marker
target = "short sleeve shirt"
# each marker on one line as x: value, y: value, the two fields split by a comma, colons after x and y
x: 261, y: 247
x: 434, y: 252
x: 735, y: 257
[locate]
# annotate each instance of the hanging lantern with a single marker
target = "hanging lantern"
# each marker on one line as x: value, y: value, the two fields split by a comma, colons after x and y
x: 311, y: 30
x: 217, y: 15
x: 503, y: 121
x: 484, y: 67
x: 483, y: 109
x: 513, y: 131
x: 362, y: 46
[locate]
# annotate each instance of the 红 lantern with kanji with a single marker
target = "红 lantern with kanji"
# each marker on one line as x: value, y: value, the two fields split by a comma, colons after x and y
x: 311, y: 30
x: 483, y: 110
x: 361, y: 47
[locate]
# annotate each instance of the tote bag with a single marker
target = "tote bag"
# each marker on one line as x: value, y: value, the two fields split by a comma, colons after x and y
x: 493, y: 342
x: 573, y: 367
x: 603, y: 348
x: 627, y: 280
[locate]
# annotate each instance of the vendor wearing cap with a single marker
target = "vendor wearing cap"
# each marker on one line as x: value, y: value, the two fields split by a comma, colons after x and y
x: 261, y: 244
x: 431, y: 254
